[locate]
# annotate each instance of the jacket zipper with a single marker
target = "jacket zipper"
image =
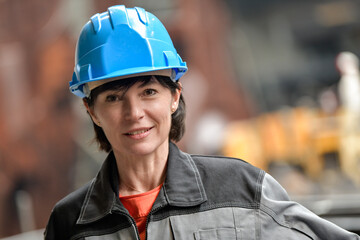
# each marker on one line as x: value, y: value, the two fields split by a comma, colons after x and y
x: 148, y: 217
x: 133, y: 223
x: 135, y: 227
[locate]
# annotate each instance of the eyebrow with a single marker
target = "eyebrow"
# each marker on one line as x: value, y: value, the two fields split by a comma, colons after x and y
x: 152, y: 80
x: 124, y: 89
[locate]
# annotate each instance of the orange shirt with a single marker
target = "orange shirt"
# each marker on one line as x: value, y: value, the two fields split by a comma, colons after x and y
x: 139, y: 207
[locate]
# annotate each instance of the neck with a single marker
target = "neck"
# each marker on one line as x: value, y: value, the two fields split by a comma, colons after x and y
x: 141, y: 173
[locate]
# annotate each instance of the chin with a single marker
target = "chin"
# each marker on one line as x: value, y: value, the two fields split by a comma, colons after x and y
x: 146, y: 148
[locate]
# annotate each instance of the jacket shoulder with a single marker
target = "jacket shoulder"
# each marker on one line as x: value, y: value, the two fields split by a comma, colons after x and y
x: 221, y: 164
x: 219, y: 160
x: 230, y: 180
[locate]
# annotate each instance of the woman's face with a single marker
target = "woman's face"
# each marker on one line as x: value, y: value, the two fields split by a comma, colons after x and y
x: 137, y: 120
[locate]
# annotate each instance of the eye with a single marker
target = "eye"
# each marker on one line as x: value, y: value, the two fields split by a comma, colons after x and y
x: 111, y: 98
x: 149, y: 92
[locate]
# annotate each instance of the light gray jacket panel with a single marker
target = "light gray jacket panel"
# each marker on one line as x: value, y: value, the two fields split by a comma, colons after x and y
x: 286, y: 214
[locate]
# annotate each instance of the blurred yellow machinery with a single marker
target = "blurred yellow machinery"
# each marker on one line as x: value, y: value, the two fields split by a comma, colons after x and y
x: 299, y: 136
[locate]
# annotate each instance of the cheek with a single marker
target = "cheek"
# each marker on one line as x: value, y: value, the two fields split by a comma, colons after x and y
x: 107, y: 117
x: 162, y: 113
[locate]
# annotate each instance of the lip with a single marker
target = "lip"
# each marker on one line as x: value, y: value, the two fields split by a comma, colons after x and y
x: 138, y: 133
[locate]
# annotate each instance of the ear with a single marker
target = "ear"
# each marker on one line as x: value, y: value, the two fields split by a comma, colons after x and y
x: 176, y: 98
x: 91, y: 112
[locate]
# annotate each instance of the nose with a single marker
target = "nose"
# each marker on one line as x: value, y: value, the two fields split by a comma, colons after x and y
x: 133, y: 109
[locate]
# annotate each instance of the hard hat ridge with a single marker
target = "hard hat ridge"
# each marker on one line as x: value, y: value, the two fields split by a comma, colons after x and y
x: 118, y: 16
x: 123, y: 42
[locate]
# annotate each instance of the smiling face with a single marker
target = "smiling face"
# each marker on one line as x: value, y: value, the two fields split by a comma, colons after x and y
x: 136, y: 120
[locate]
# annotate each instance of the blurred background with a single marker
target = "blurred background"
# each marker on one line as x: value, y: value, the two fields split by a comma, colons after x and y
x: 275, y: 83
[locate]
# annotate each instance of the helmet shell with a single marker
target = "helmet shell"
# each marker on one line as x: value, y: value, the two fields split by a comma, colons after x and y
x: 120, y: 42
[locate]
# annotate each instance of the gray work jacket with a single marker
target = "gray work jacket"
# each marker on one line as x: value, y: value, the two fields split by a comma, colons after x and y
x: 202, y: 197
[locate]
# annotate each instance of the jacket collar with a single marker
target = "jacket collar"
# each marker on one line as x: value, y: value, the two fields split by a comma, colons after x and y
x: 182, y: 187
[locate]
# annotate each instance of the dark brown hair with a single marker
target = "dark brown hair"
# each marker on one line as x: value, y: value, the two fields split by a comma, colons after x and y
x: 177, y: 129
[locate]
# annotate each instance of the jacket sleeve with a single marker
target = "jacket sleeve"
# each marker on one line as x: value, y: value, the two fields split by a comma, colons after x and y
x: 283, y: 217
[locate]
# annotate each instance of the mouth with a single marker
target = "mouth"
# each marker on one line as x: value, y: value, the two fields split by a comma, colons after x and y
x: 138, y: 132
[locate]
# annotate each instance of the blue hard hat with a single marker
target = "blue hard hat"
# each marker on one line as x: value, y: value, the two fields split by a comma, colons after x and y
x: 122, y: 42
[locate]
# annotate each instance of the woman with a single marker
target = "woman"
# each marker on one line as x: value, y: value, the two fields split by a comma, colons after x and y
x: 127, y: 73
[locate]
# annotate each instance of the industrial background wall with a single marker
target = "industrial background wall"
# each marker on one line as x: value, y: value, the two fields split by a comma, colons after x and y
x: 254, y: 68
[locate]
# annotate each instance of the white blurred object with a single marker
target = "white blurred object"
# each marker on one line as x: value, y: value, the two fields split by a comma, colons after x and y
x: 24, y: 205
x: 209, y: 132
x: 349, y: 85
x: 33, y: 235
